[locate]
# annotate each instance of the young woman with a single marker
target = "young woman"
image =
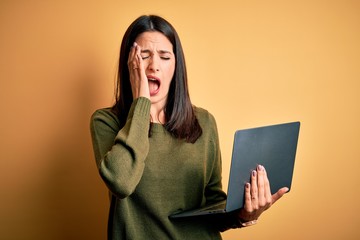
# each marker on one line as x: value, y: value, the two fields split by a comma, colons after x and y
x: 159, y: 154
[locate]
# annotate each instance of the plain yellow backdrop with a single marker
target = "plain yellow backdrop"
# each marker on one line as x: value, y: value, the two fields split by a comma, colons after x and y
x: 250, y: 63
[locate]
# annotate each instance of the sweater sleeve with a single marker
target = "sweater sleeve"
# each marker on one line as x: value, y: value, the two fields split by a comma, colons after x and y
x: 120, y: 154
x: 214, y: 192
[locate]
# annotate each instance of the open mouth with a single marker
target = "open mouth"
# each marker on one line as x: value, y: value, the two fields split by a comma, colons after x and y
x: 154, y: 85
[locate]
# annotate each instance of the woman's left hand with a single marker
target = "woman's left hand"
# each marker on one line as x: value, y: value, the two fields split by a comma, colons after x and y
x: 258, y: 196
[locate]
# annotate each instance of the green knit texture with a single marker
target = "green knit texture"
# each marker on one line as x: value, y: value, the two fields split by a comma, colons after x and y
x: 150, y: 178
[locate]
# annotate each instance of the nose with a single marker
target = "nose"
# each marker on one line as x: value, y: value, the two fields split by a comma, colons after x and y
x: 154, y: 64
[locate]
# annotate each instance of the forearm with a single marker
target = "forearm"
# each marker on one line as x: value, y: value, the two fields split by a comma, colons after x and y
x: 122, y: 163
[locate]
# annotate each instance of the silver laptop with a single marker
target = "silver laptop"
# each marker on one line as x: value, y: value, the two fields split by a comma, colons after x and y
x: 273, y: 146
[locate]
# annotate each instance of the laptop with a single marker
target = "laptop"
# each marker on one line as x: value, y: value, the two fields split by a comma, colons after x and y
x: 273, y: 146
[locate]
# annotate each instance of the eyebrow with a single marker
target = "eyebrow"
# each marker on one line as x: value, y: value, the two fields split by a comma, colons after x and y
x: 160, y: 51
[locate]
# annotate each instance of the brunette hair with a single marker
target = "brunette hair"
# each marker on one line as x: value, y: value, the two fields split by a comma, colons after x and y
x: 180, y: 117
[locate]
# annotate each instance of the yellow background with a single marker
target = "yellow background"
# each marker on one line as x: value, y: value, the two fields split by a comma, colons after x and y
x: 250, y: 63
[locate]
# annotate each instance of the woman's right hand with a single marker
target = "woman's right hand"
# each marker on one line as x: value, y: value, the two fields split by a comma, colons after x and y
x: 138, y: 79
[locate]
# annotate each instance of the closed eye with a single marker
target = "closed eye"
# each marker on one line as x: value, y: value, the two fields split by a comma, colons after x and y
x: 145, y: 57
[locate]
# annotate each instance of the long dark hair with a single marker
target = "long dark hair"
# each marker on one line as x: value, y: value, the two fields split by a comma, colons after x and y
x: 180, y: 118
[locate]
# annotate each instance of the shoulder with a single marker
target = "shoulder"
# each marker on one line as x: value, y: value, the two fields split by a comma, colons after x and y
x: 104, y: 117
x: 104, y: 114
x: 204, y: 116
x: 207, y: 121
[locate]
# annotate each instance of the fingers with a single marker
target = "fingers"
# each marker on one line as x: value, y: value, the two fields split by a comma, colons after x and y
x: 279, y: 194
x: 261, y: 185
x: 265, y: 199
x: 138, y: 60
x: 132, y: 57
x: 260, y: 189
x: 138, y: 79
x: 258, y: 196
x: 134, y: 77
x: 248, y: 201
x: 268, y: 197
x: 254, y: 189
x: 135, y: 60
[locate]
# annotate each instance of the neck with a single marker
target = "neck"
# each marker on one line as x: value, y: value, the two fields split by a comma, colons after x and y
x: 157, y: 116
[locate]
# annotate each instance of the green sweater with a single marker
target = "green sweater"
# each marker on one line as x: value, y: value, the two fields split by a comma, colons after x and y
x: 150, y: 178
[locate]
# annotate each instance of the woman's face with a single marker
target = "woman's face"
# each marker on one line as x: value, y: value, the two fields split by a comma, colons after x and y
x: 159, y: 63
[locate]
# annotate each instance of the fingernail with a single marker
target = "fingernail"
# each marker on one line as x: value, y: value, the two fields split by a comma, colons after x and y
x: 247, y: 185
x: 259, y: 167
x: 254, y: 173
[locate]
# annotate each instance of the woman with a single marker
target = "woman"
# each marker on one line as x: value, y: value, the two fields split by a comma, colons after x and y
x: 159, y: 154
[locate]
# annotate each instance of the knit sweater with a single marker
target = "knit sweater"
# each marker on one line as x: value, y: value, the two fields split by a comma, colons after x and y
x: 149, y: 178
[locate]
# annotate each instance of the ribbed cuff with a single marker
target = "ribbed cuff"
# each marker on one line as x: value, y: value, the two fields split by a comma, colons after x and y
x: 140, y: 108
